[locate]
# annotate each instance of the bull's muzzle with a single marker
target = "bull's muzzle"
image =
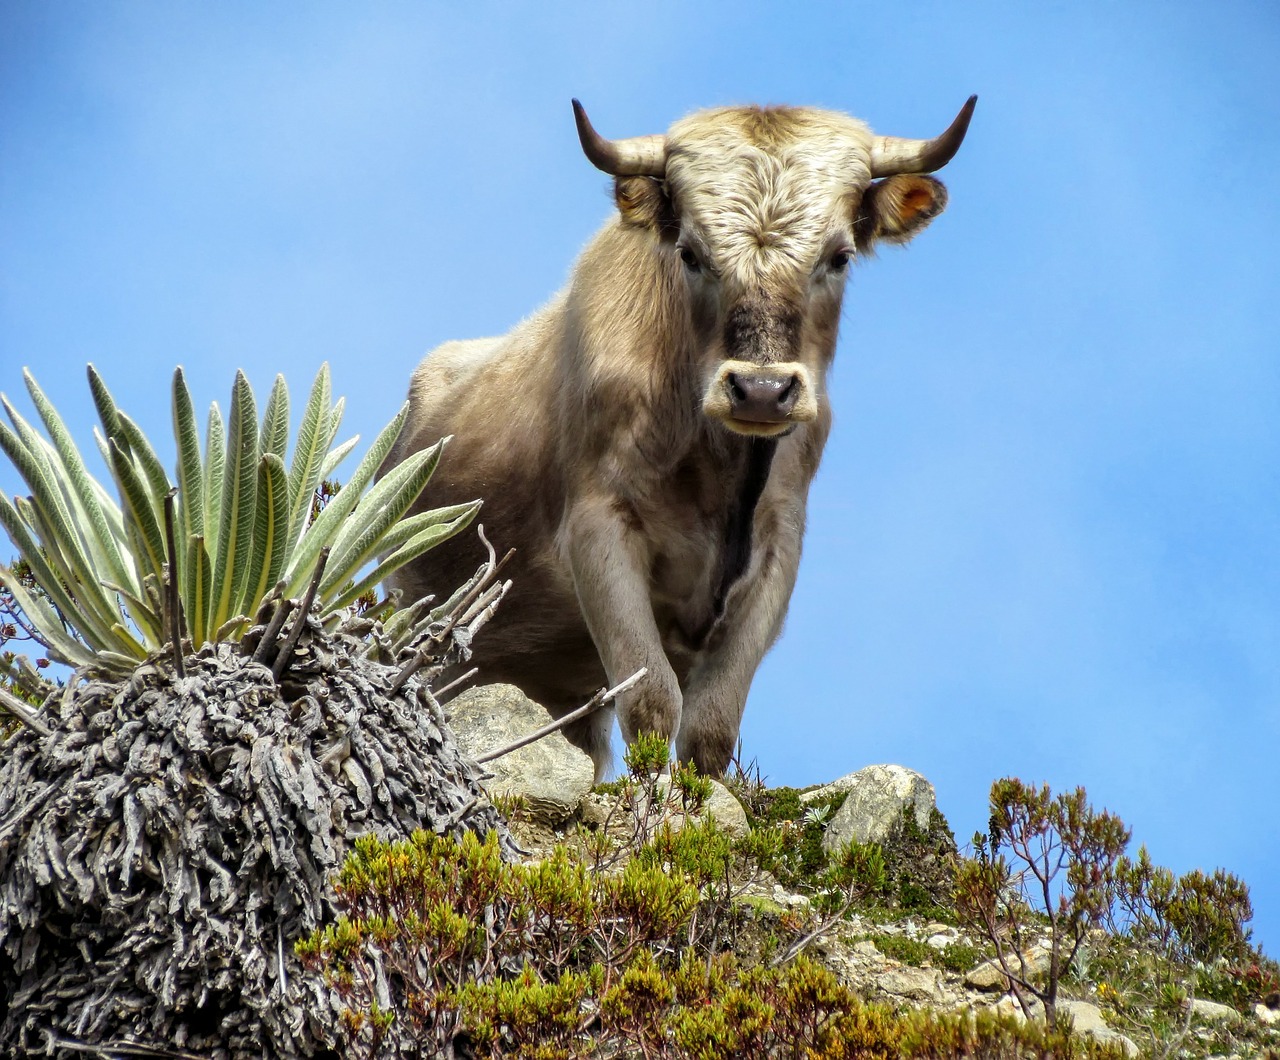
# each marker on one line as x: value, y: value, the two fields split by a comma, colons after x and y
x: 761, y: 400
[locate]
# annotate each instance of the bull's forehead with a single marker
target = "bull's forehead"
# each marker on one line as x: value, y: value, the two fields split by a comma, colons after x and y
x: 766, y: 187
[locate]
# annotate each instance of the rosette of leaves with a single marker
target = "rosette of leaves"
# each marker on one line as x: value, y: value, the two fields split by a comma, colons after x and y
x: 204, y: 551
x: 171, y: 817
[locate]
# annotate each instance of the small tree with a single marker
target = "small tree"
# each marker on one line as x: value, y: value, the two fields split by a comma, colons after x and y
x: 1065, y: 855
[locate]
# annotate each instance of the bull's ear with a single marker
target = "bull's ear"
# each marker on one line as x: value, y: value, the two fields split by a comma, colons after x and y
x: 896, y: 208
x: 644, y: 203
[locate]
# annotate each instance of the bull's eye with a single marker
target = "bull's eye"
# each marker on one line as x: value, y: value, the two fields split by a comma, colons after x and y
x: 690, y: 259
x: 839, y: 261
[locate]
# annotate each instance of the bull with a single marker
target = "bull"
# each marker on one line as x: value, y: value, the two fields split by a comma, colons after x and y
x: 646, y: 441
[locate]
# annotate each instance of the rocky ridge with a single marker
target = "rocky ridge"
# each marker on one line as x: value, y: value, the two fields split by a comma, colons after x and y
x: 904, y: 960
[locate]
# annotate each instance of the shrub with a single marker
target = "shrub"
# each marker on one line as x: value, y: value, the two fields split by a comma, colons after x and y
x: 443, y: 948
x: 1066, y: 856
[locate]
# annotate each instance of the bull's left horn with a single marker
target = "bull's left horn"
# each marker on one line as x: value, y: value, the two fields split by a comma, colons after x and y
x: 638, y: 156
x: 896, y: 154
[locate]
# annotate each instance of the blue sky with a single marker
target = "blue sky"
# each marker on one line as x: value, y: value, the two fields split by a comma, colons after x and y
x: 1044, y: 540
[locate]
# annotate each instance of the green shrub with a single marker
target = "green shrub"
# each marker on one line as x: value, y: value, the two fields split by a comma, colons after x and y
x: 905, y: 949
x: 960, y: 957
x: 1066, y: 856
x: 555, y: 961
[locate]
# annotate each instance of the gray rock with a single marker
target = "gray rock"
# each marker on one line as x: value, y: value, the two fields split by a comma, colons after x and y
x: 1086, y: 1020
x: 721, y: 807
x: 596, y: 808
x: 877, y: 795
x: 1212, y: 1012
x: 988, y: 976
x: 910, y: 984
x: 550, y: 776
x: 1010, y: 1006
x: 727, y: 811
x: 1266, y: 1015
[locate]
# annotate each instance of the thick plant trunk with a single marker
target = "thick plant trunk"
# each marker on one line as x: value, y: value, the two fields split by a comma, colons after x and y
x: 164, y: 847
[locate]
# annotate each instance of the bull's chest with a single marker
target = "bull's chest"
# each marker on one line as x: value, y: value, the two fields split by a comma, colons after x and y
x: 706, y: 547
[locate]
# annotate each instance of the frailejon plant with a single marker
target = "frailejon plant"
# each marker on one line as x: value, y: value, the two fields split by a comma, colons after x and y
x: 240, y: 704
x: 202, y: 551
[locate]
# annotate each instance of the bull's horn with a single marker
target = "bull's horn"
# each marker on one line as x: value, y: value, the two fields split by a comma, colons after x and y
x: 894, y: 154
x: 638, y: 156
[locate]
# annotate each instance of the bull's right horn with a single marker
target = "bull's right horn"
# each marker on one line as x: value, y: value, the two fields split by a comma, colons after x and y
x: 638, y: 156
x: 897, y: 154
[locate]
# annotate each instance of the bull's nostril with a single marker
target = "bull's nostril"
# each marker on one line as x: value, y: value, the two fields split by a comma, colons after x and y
x: 787, y: 394
x: 736, y: 390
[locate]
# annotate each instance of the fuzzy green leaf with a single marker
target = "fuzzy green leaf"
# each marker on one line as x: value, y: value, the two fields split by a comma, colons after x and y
x: 105, y: 404
x: 196, y: 588
x: 427, y: 539
x: 140, y: 513
x: 215, y: 459
x: 147, y: 463
x: 83, y: 619
x: 50, y: 519
x: 270, y: 532
x: 274, y: 436
x: 360, y: 536
x: 411, y: 525
x: 94, y: 610
x: 61, y: 646
x: 325, y: 529
x: 308, y: 453
x: 239, y: 489
x: 190, y: 471
x: 337, y: 456
x: 100, y: 535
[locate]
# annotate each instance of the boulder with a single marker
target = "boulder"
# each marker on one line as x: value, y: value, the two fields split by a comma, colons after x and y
x: 988, y: 976
x: 1213, y: 1012
x: 1086, y: 1020
x: 549, y: 777
x: 873, y: 807
x: 921, y: 985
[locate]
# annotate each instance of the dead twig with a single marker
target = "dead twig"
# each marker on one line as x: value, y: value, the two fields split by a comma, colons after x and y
x: 475, y: 607
x: 272, y: 632
x: 120, y: 1048
x: 299, y: 623
x: 595, y: 703
x: 173, y: 602
x: 438, y: 692
x: 20, y: 710
x: 793, y: 951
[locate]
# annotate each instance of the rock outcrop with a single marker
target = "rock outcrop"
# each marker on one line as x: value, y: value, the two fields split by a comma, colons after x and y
x: 890, y: 805
x: 549, y: 777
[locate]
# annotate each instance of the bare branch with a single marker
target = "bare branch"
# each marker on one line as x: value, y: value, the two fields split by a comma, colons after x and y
x: 172, y: 600
x: 272, y: 633
x: 286, y: 650
x: 438, y: 692
x: 22, y: 711
x: 595, y: 703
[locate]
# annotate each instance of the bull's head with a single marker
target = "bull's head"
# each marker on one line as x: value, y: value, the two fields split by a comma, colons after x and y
x: 762, y: 211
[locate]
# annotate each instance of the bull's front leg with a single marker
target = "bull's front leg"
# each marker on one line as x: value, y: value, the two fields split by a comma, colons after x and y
x: 610, y: 566
x: 716, y: 690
